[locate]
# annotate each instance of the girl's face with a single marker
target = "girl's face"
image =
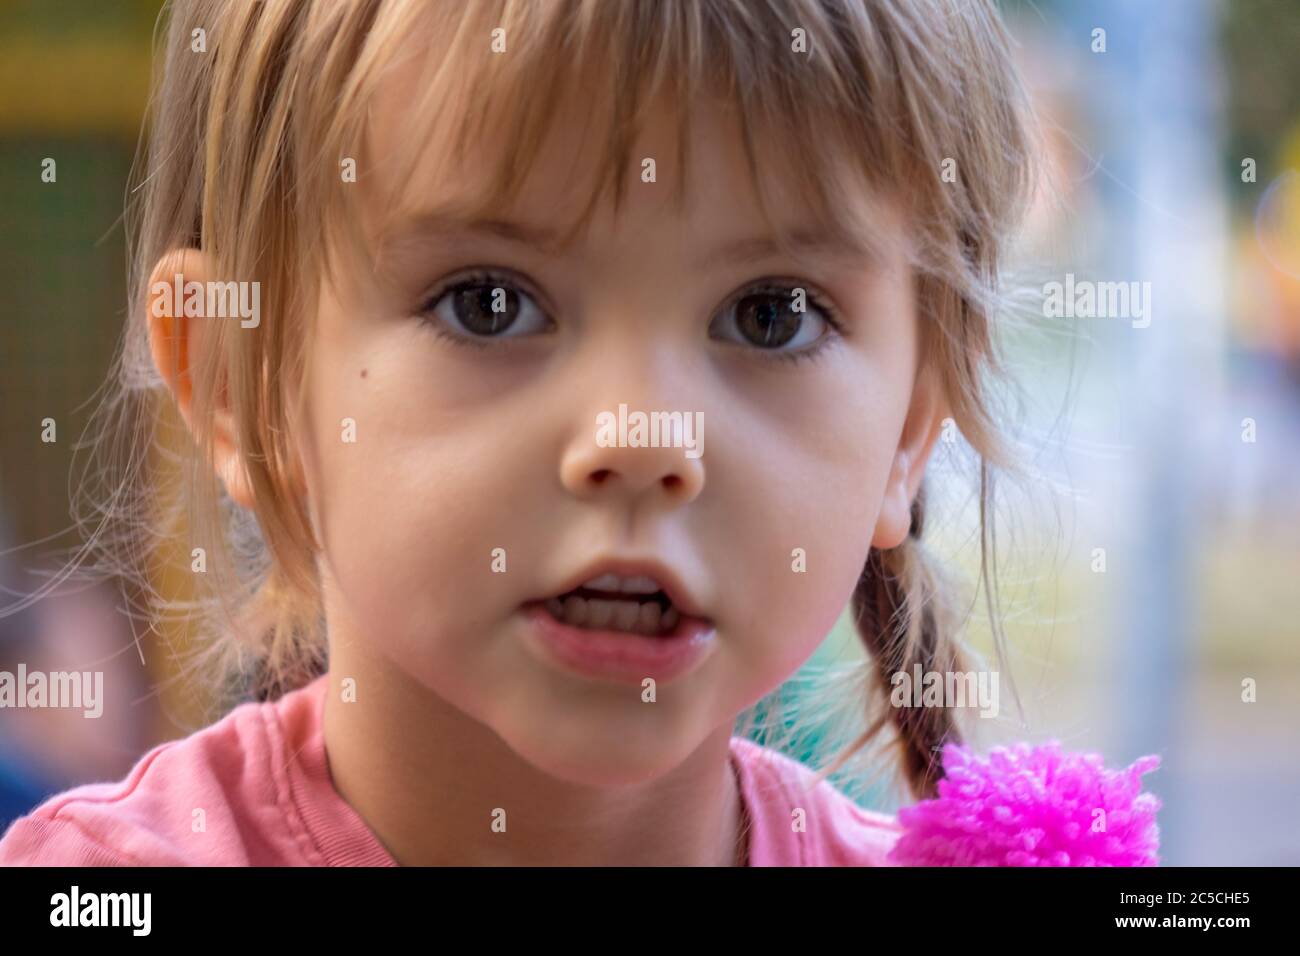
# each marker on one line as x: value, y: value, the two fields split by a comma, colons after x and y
x: 473, y: 484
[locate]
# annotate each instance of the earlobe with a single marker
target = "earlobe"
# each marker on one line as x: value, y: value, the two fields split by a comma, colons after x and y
x: 235, y: 478
x: 895, y: 508
x: 920, y: 433
x: 177, y: 344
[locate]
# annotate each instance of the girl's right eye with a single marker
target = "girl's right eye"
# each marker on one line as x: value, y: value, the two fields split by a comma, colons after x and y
x: 476, y: 309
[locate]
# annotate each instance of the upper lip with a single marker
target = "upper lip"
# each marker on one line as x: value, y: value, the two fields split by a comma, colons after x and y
x: 668, y: 579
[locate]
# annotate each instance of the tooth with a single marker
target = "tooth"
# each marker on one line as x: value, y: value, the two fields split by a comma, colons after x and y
x: 556, y: 607
x: 576, y: 610
x: 626, y: 614
x: 599, y: 613
x: 647, y: 621
x: 639, y: 585
x: 669, y: 620
x: 606, y: 582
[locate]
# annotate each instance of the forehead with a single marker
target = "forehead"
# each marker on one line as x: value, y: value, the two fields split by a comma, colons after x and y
x: 435, y: 160
x: 456, y: 159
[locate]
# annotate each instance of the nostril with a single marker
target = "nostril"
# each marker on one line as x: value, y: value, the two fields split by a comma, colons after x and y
x: 672, y: 482
x: 600, y: 475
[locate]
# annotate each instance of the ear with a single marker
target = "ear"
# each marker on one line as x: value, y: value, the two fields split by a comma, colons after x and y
x: 176, y: 342
x: 924, y: 424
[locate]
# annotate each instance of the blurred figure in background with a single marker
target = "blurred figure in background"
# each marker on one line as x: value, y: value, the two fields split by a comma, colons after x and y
x: 77, y: 628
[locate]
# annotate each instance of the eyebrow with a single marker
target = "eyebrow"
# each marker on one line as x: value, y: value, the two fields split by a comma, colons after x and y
x: 428, y: 224
x: 805, y: 243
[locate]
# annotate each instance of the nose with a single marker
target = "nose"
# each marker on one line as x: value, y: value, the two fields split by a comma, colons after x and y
x: 591, y: 470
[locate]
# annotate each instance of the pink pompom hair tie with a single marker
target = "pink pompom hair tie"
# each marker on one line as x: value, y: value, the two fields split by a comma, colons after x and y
x: 1026, y: 805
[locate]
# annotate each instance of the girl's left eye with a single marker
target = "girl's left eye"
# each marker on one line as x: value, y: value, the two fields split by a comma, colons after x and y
x: 789, y: 321
x: 484, y: 306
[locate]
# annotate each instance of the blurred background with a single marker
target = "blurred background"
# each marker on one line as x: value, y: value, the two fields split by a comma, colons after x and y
x: 1149, y: 564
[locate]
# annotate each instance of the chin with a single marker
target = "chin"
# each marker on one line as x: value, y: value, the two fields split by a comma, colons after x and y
x: 607, y: 754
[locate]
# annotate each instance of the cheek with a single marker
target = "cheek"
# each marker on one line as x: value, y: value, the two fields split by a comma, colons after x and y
x: 802, y: 513
x: 792, y: 530
x: 801, y: 555
x: 411, y: 511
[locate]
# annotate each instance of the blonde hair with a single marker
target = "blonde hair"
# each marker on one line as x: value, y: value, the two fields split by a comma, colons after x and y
x: 243, y: 163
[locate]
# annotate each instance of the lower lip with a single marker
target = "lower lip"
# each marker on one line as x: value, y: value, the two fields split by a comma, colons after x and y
x: 621, y: 656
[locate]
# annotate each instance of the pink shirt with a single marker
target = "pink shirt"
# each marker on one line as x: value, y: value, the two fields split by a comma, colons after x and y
x: 261, y: 777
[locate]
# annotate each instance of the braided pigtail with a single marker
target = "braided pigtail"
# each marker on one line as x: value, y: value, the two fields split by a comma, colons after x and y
x: 903, y: 622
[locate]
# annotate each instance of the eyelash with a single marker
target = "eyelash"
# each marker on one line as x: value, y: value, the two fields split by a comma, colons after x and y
x: 818, y: 300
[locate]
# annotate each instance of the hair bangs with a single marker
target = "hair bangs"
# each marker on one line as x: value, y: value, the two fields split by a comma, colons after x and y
x: 809, y: 140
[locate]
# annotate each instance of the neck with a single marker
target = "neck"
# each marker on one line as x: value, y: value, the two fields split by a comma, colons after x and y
x: 430, y: 781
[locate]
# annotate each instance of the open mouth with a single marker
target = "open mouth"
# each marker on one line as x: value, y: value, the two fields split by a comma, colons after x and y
x: 623, y: 621
x: 609, y: 603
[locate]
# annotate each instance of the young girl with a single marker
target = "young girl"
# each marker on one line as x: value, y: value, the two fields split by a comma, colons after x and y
x: 587, y: 360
